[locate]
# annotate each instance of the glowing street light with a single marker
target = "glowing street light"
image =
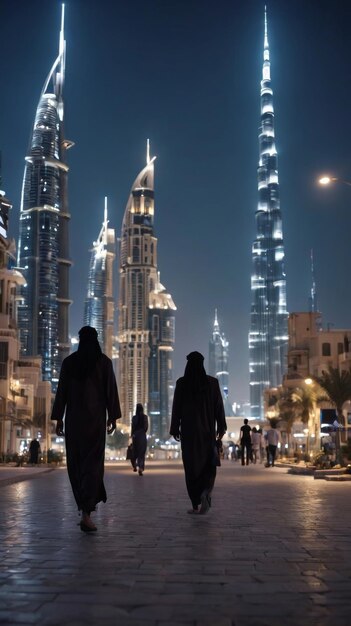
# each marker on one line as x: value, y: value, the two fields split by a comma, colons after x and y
x: 327, y: 180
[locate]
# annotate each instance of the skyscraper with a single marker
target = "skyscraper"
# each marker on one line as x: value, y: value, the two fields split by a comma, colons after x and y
x: 218, y: 362
x: 146, y: 330
x: 269, y: 327
x: 99, y: 309
x: 43, y: 231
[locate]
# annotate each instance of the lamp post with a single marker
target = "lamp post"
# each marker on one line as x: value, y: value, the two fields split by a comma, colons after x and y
x: 328, y: 180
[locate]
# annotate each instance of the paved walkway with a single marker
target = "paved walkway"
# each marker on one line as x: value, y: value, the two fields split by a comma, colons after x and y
x: 274, y: 550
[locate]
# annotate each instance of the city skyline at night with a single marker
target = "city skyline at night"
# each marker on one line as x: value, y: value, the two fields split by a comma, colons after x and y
x: 200, y: 110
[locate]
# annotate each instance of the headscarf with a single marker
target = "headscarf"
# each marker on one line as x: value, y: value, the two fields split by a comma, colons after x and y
x: 195, y: 376
x: 88, y: 353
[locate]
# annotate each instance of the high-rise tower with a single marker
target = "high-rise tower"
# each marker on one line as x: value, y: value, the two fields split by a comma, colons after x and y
x: 145, y: 312
x: 99, y: 310
x: 269, y: 328
x: 43, y: 231
x: 218, y: 362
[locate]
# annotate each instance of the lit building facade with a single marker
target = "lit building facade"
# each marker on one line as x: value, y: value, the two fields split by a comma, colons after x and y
x: 43, y: 256
x: 218, y: 362
x: 99, y: 306
x: 25, y: 399
x: 146, y: 322
x: 269, y: 319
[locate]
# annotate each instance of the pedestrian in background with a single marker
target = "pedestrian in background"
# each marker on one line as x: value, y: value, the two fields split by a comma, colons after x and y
x: 245, y: 441
x: 140, y: 425
x: 197, y: 421
x: 273, y: 439
x: 86, y: 390
x: 256, y: 443
x: 34, y: 449
x: 263, y: 445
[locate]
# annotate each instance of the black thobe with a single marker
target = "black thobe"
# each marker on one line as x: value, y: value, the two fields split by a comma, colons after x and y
x: 86, y: 402
x: 198, y: 418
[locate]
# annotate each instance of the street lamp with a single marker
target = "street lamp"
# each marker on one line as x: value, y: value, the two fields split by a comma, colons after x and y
x: 327, y: 180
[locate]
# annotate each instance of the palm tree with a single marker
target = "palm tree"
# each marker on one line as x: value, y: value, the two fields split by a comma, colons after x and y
x: 337, y: 386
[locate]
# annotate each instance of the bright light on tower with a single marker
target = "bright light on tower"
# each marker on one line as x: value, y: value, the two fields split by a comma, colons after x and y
x: 325, y: 180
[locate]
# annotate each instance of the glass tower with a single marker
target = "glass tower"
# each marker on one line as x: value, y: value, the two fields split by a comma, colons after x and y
x: 218, y: 362
x: 145, y: 313
x: 99, y: 304
x: 43, y: 230
x: 269, y: 326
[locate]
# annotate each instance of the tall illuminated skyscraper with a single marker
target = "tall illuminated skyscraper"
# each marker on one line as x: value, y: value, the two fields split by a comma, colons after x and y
x: 43, y: 256
x: 269, y: 319
x: 146, y: 321
x: 218, y: 362
x: 99, y: 310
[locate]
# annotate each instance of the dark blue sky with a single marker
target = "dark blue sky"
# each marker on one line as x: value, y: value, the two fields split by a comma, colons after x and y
x: 186, y: 73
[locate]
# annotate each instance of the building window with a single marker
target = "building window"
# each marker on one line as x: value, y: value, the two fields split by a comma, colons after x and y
x: 4, y: 356
x: 340, y: 348
x: 326, y: 349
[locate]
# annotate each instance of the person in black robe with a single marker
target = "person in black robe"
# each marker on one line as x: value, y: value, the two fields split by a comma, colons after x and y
x: 197, y: 421
x: 34, y: 449
x: 140, y: 424
x: 86, y: 390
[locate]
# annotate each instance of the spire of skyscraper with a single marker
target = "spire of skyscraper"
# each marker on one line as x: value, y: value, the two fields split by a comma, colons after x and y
x: 99, y: 310
x: 146, y: 321
x: 43, y: 255
x: 218, y: 362
x: 268, y: 328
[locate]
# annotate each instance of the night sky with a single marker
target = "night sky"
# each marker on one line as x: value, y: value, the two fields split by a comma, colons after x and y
x: 186, y: 74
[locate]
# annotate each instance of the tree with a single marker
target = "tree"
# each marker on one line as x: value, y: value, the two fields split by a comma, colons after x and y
x: 337, y: 386
x: 304, y: 400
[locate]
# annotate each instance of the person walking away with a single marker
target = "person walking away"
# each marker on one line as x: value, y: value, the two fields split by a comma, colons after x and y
x: 34, y: 449
x: 256, y: 443
x: 140, y: 425
x: 245, y: 441
x: 273, y: 439
x: 86, y: 391
x: 263, y: 445
x: 197, y: 421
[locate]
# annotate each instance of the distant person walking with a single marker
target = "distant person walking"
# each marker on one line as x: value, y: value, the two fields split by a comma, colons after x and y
x: 197, y: 421
x: 273, y: 439
x: 256, y: 444
x: 86, y: 391
x: 245, y: 441
x: 34, y: 449
x: 140, y: 425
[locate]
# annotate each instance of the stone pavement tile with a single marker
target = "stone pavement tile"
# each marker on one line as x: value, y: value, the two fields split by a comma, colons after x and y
x: 17, y: 617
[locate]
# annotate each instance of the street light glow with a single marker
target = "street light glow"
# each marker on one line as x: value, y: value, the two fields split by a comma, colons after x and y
x: 325, y: 180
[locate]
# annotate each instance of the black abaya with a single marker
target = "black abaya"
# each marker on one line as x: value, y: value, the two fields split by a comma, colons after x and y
x: 197, y: 417
x: 86, y: 401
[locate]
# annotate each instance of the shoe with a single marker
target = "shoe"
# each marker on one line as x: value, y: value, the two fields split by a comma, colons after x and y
x: 87, y: 529
x: 140, y: 473
x: 193, y: 511
x: 205, y: 503
x: 134, y: 469
x: 86, y: 524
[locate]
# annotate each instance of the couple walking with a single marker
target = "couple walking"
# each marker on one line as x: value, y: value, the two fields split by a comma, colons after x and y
x: 87, y: 389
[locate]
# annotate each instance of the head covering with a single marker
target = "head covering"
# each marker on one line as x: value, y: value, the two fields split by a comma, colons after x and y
x: 139, y: 409
x: 195, y: 375
x: 88, y: 353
